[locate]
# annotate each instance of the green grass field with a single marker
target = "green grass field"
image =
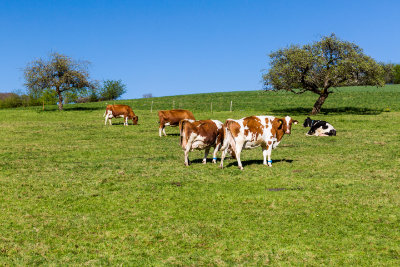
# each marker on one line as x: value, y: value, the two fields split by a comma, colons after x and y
x: 76, y: 192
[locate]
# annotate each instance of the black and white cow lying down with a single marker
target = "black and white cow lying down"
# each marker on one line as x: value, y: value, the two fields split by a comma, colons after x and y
x: 319, y: 128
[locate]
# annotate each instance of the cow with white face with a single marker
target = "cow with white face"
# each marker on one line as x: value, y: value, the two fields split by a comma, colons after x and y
x: 255, y: 131
x: 202, y: 135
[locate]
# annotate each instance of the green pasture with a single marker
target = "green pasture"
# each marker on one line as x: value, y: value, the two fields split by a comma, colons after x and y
x: 76, y: 192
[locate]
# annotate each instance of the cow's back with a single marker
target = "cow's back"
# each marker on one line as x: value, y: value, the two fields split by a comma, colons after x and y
x: 210, y: 132
x: 174, y: 116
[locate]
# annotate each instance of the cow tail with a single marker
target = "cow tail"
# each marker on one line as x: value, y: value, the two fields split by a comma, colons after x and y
x: 181, y: 125
x: 229, y: 142
x: 226, y: 137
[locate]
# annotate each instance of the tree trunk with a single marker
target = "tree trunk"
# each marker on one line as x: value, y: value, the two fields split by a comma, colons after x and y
x: 60, y: 99
x: 317, y: 106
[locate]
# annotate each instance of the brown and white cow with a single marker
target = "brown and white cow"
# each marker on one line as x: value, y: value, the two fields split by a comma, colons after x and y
x: 120, y: 111
x: 202, y: 135
x: 172, y: 118
x: 255, y: 131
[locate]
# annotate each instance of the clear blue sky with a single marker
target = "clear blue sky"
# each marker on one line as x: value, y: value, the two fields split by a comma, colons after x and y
x: 184, y: 46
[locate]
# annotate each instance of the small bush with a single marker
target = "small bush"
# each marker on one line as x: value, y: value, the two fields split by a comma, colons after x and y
x: 83, y: 100
x: 10, y: 100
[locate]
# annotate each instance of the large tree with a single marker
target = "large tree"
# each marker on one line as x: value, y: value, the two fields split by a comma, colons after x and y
x: 321, y: 66
x: 59, y: 73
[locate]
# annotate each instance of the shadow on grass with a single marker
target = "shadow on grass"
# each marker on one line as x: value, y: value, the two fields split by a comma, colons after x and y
x: 116, y: 123
x: 326, y: 111
x: 258, y: 162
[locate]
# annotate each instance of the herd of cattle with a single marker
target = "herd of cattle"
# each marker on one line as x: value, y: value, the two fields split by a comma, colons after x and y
x: 232, y: 136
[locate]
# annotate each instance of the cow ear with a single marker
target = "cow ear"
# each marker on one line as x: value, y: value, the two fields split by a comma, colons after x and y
x: 280, y: 121
x: 295, y: 122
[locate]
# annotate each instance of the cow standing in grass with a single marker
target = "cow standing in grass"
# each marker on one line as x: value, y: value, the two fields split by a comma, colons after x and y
x: 255, y: 131
x: 172, y: 118
x: 120, y: 111
x: 202, y: 135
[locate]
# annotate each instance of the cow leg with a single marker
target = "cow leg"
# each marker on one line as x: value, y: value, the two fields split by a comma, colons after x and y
x: 125, y: 121
x: 109, y: 120
x: 206, y: 151
x: 239, y: 146
x: 264, y: 151
x: 223, y: 157
x: 312, y: 131
x: 187, y: 162
x: 215, y: 153
x: 164, y: 131
x: 160, y: 129
x: 105, y: 122
x: 188, y: 147
x: 267, y: 153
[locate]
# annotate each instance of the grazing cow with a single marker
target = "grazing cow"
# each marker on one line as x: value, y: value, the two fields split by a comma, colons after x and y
x: 319, y: 128
x: 255, y: 131
x: 172, y: 118
x: 202, y: 135
x: 120, y: 111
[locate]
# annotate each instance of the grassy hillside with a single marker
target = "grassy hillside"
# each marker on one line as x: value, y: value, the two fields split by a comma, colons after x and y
x: 73, y: 191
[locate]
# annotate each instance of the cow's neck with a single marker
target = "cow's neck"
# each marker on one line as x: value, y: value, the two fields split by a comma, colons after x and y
x: 279, y: 134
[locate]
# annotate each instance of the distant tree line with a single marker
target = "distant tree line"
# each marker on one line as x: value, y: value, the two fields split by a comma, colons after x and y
x: 61, y: 80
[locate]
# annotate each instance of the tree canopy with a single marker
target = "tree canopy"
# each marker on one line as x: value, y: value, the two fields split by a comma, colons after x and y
x: 58, y: 73
x: 112, y: 90
x: 321, y: 66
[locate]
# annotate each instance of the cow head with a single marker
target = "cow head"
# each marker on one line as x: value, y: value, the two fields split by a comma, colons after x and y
x: 135, y: 120
x: 307, y: 122
x: 286, y: 124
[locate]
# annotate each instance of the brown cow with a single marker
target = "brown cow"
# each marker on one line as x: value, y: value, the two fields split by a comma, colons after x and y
x: 202, y: 135
x: 172, y: 118
x: 120, y: 111
x: 255, y: 131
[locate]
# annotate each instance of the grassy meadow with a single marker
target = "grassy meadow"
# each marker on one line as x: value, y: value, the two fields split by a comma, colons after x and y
x: 76, y: 192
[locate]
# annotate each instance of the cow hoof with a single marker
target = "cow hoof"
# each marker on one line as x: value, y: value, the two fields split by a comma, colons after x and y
x: 204, y: 162
x: 241, y: 168
x: 214, y: 161
x: 269, y: 165
x: 221, y: 166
